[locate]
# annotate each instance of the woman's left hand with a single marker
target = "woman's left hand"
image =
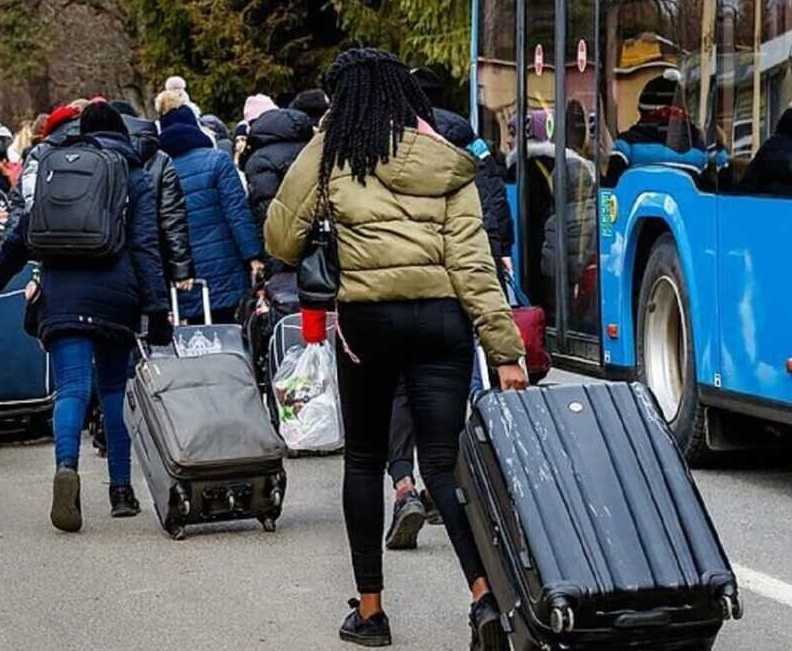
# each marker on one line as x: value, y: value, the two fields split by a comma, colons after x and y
x: 512, y: 376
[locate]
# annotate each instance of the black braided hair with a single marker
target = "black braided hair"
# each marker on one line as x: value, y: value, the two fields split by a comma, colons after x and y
x: 373, y: 99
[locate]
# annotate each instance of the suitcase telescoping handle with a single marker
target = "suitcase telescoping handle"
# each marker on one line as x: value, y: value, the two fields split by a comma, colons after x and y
x: 207, y: 306
x: 483, y: 367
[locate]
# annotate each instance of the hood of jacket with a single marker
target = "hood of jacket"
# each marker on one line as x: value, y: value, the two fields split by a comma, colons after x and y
x: 426, y: 166
x: 118, y: 143
x: 454, y: 128
x: 279, y: 125
x: 144, y: 136
x: 69, y: 129
x: 178, y: 139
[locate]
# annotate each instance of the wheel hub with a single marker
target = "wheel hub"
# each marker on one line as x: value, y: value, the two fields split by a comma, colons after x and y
x: 665, y: 345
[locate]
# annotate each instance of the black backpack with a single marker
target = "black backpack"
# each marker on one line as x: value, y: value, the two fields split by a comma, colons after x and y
x: 80, y: 203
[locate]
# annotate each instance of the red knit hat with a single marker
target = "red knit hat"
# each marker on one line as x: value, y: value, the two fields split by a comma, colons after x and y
x: 59, y: 116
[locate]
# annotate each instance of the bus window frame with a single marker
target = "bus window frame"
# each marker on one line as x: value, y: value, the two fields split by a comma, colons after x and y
x: 566, y: 341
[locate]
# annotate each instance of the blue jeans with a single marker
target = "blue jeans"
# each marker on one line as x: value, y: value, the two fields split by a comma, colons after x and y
x: 73, y: 363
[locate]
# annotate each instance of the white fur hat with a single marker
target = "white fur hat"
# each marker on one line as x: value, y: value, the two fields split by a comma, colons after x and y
x: 176, y: 83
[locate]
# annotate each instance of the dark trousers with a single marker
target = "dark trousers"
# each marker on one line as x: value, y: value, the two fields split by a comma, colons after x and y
x: 430, y: 344
x: 401, y: 458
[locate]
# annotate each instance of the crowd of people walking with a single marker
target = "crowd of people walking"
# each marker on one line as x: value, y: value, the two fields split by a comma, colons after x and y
x: 423, y: 233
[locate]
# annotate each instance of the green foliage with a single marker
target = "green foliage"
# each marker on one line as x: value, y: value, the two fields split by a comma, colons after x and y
x: 22, y: 46
x: 422, y: 32
x: 228, y: 49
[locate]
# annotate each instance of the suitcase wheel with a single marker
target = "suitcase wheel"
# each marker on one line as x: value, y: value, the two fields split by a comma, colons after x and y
x: 176, y: 531
x: 277, y: 498
x: 183, y: 505
x: 268, y: 523
x: 731, y: 607
x: 562, y: 620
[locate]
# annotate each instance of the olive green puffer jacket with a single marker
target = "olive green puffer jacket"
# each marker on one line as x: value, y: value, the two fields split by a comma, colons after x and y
x: 414, y: 231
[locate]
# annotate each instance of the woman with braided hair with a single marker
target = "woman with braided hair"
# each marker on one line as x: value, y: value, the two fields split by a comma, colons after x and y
x: 417, y: 278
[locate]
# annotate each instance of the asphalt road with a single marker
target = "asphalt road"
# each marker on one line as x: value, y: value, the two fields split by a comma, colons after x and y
x: 122, y: 584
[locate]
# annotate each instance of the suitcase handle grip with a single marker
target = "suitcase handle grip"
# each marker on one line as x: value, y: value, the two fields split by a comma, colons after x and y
x: 649, y: 619
x: 207, y: 306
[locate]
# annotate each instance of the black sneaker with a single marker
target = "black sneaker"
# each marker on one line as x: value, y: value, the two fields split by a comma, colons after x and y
x: 485, y: 624
x: 66, y: 513
x: 123, y: 503
x: 409, y: 517
x: 97, y: 431
x: 432, y: 512
x: 374, y: 631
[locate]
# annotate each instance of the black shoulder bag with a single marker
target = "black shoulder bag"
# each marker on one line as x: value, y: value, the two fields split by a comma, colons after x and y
x: 319, y: 273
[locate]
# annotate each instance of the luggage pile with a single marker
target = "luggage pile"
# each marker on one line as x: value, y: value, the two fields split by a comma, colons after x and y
x: 591, y: 529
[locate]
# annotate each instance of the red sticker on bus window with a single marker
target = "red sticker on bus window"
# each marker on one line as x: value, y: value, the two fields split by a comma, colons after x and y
x: 582, y: 55
x: 539, y: 60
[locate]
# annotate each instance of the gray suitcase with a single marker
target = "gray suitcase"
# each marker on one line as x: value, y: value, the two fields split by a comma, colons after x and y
x: 205, y: 441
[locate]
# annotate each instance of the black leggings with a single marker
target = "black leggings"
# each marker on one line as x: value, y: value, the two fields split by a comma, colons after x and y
x: 430, y: 344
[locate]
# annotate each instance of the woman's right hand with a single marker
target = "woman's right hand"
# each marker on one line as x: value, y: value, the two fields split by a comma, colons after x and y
x: 512, y: 376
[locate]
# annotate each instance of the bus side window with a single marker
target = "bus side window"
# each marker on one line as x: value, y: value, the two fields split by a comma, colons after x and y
x: 656, y: 103
x: 755, y: 91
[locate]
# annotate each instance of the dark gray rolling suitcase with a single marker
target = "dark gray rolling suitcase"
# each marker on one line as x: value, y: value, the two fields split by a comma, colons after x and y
x: 589, y: 524
x: 204, y: 439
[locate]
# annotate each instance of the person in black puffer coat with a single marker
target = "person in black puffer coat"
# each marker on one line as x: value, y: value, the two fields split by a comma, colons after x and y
x: 87, y: 313
x: 169, y: 198
x: 492, y: 190
x: 274, y: 141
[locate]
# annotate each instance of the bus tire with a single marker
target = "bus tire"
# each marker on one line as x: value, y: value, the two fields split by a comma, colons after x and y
x: 665, y: 349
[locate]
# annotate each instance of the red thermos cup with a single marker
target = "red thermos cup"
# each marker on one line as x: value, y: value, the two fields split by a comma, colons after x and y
x: 314, y: 325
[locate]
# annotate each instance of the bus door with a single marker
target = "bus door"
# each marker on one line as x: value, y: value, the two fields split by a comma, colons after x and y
x: 559, y: 174
x: 755, y: 200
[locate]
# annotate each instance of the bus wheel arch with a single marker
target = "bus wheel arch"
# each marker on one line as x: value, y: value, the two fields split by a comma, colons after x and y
x: 665, y: 352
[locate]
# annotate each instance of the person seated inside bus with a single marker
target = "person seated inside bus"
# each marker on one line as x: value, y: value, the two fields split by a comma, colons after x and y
x: 770, y: 171
x: 663, y: 135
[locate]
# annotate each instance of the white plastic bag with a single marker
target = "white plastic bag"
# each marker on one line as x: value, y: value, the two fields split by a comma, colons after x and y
x: 306, y: 391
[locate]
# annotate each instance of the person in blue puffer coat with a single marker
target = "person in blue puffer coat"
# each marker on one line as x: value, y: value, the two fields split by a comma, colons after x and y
x: 226, y: 248
x: 86, y: 315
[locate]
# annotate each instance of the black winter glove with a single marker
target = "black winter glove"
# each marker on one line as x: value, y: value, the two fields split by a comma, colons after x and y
x: 160, y: 330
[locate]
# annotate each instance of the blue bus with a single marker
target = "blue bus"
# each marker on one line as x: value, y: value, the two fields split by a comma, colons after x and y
x: 658, y: 247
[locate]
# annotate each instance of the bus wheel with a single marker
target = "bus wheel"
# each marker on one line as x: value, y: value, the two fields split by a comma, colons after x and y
x: 666, y: 359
